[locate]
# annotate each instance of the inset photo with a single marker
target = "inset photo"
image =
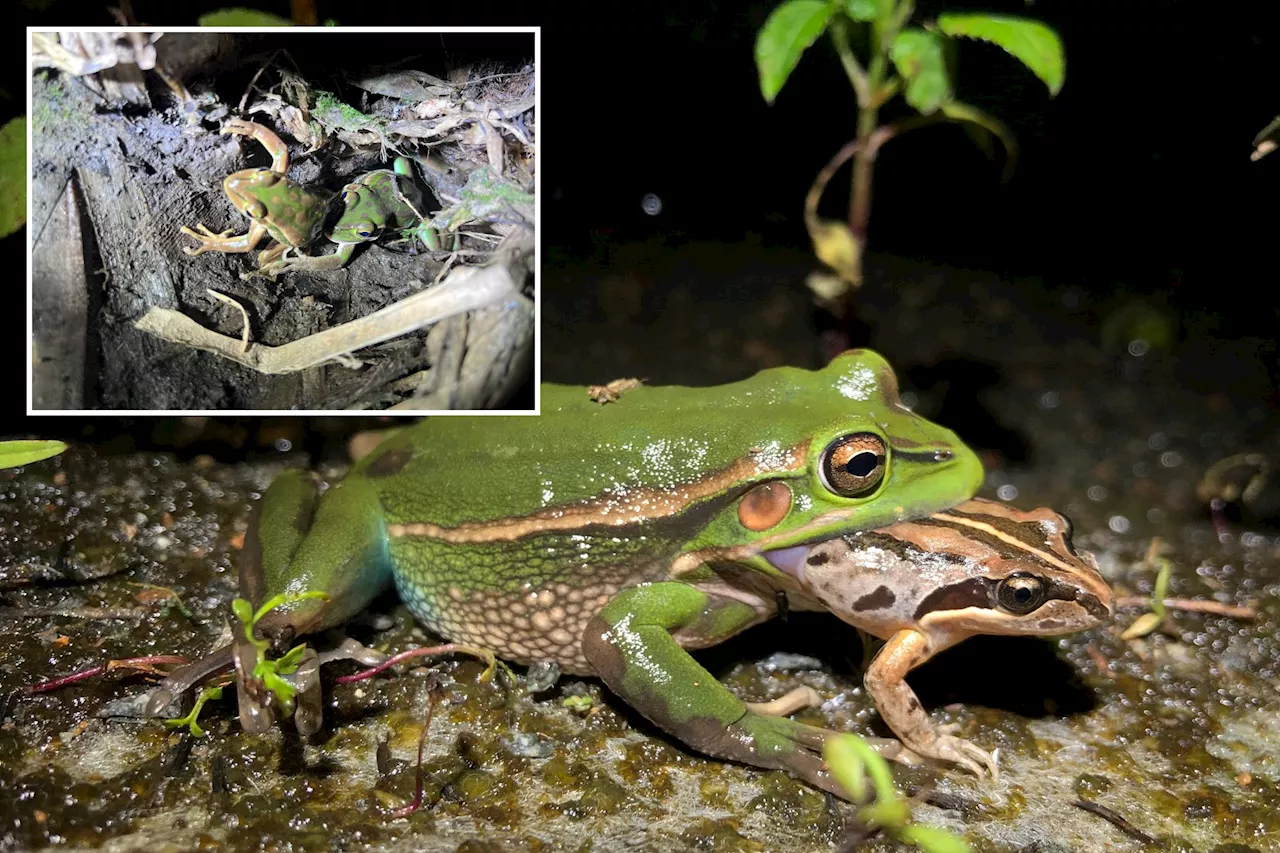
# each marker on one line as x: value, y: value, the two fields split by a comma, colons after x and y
x: 283, y: 220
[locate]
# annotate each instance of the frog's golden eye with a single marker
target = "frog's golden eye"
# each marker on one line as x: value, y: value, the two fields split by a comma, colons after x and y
x: 255, y: 210
x: 854, y: 465
x: 1020, y: 594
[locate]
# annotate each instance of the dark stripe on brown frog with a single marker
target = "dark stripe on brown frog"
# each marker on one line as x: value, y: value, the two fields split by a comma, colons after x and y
x: 981, y: 593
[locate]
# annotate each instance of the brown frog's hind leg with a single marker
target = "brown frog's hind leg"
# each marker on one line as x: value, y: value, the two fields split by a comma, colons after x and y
x: 629, y: 644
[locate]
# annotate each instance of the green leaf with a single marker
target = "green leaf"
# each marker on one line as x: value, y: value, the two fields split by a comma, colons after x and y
x: 13, y: 176
x: 989, y: 125
x: 862, y: 10
x: 917, y: 54
x: 240, y: 17
x: 1161, y: 590
x: 852, y: 759
x: 1142, y: 626
x: 243, y: 612
x: 846, y: 766
x: 933, y: 839
x: 288, y: 663
x: 284, y: 598
x: 1034, y: 44
x: 15, y: 453
x: 793, y: 27
x: 190, y: 719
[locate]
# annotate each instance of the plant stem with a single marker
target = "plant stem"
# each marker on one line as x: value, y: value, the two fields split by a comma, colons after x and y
x: 864, y: 159
x: 852, y: 67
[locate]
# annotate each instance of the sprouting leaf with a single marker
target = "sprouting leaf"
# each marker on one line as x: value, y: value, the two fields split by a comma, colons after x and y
x: 1034, y: 44
x: 789, y: 31
x: 917, y: 54
x: 241, y: 17
x: 13, y: 176
x: 288, y: 663
x: 15, y: 453
x: 988, y: 125
x: 190, y: 719
x: 243, y: 612
x: 842, y: 756
x: 1161, y: 590
x: 933, y: 839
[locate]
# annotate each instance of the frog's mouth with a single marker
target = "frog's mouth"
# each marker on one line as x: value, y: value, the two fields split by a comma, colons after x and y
x: 791, y: 560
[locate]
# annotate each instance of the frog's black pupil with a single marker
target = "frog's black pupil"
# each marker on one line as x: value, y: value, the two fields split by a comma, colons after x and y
x: 1022, y: 594
x: 863, y: 463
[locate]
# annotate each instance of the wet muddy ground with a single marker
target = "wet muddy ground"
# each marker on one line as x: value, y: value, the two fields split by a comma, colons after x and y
x: 1175, y: 732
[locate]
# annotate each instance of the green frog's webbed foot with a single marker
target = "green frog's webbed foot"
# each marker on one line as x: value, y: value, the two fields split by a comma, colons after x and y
x: 774, y: 742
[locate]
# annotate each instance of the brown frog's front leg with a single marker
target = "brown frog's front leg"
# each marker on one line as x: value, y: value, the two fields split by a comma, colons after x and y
x: 901, y: 710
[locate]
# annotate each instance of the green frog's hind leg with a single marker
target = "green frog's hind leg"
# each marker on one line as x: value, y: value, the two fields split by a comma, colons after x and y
x: 305, y: 263
x: 631, y: 646
x: 297, y: 544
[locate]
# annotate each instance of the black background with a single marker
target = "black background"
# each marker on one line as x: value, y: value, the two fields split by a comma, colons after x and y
x: 1136, y: 179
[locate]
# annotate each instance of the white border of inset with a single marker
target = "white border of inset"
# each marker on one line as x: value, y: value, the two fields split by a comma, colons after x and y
x: 536, y: 32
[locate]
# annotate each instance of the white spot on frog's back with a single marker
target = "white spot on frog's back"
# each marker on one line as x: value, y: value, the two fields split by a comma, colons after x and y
x: 667, y: 463
x: 772, y: 456
x: 858, y: 384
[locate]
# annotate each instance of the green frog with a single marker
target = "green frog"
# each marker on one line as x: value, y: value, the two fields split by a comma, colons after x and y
x: 611, y: 538
x: 294, y: 216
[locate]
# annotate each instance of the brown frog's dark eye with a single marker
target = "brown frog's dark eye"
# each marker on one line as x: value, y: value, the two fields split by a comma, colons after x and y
x: 854, y: 465
x: 1020, y: 594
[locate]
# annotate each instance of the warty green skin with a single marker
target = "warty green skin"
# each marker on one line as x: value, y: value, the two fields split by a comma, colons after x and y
x: 608, y: 538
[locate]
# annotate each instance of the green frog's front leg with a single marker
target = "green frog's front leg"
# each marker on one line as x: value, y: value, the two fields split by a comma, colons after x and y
x: 632, y: 645
x: 304, y: 263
